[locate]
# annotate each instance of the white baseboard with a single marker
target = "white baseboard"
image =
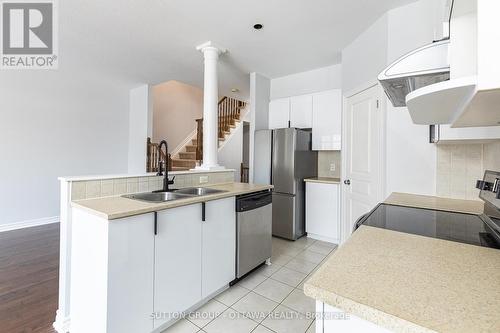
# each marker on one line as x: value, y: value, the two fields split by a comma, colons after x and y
x: 323, y: 238
x: 28, y: 223
x: 62, y: 324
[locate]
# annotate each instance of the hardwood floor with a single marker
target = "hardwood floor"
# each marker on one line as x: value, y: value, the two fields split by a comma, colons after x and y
x: 29, y: 268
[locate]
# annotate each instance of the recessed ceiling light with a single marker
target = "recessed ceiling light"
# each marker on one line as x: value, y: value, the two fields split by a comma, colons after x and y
x: 258, y: 26
x: 235, y: 90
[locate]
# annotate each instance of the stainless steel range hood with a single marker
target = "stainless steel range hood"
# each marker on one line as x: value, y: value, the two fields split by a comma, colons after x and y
x: 422, y: 67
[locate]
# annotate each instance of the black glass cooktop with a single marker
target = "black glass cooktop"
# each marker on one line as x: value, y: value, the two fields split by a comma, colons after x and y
x: 458, y: 227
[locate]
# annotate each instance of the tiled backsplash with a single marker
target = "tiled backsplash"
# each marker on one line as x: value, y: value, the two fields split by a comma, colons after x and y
x: 325, y: 160
x: 459, y: 166
x: 108, y: 187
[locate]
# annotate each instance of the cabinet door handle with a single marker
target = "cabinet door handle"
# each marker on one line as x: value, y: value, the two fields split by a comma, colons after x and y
x: 203, y: 211
x: 156, y: 224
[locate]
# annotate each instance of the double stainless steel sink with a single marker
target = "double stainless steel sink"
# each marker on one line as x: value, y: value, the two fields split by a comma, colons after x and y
x: 184, y: 193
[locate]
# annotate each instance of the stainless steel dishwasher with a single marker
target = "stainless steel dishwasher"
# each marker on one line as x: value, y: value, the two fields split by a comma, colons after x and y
x: 253, y: 231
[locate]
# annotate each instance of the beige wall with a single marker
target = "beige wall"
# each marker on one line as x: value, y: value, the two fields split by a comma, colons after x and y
x: 325, y: 158
x: 459, y: 166
x: 175, y: 107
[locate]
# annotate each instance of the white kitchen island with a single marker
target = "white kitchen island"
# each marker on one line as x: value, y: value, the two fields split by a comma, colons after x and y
x: 138, y: 266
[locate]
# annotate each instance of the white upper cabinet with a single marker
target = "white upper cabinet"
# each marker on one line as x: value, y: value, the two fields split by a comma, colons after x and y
x: 279, y: 113
x: 301, y: 109
x: 327, y: 120
x: 322, y: 112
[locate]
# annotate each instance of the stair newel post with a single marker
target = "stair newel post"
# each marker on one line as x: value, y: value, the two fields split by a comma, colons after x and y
x: 199, y: 139
x: 227, y: 115
x: 233, y: 110
x: 220, y: 119
x: 148, y: 157
x: 225, y: 118
x: 230, y: 115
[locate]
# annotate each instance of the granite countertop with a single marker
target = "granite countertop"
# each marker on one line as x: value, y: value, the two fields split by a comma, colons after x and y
x: 116, y: 207
x: 324, y: 180
x: 410, y: 283
x: 436, y: 203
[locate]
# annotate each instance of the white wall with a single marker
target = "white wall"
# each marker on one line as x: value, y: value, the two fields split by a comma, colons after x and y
x: 320, y: 79
x: 140, y: 127
x: 230, y: 154
x: 411, y: 160
x: 366, y: 56
x: 259, y: 100
x: 258, y: 116
x: 71, y: 121
x: 176, y: 106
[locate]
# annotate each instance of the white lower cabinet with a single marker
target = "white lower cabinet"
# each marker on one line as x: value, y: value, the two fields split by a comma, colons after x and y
x: 129, y: 277
x: 218, y: 245
x: 111, y: 273
x: 323, y: 211
x: 177, y: 278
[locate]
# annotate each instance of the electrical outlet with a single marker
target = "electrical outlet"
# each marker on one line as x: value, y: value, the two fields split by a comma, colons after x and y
x: 203, y: 179
x: 332, y: 167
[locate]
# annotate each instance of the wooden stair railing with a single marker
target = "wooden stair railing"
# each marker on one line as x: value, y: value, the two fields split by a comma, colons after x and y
x: 229, y: 111
x: 244, y: 173
x: 152, y: 157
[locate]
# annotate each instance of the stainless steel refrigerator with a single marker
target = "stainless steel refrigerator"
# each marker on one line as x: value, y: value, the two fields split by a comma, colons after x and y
x: 283, y: 158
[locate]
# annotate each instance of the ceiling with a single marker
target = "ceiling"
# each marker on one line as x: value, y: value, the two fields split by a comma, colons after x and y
x: 154, y: 41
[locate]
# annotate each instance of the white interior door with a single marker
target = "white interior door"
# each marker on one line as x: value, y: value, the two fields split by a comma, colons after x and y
x: 363, y: 153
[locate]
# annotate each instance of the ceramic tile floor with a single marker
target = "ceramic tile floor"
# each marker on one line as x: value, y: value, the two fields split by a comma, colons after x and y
x: 268, y: 300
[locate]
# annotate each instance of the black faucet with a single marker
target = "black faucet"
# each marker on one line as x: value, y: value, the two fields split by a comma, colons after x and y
x: 166, y: 181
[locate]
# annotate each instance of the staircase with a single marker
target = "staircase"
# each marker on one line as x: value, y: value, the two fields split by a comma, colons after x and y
x: 187, y: 158
x: 152, y: 157
x: 229, y: 110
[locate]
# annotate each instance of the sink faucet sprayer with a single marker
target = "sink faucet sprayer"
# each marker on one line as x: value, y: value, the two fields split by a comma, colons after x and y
x: 166, y: 181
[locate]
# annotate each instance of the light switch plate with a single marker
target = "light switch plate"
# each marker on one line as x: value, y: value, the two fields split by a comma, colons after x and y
x: 203, y: 179
x: 332, y: 167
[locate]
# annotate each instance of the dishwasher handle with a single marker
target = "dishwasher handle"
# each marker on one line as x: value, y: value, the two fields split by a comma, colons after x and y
x: 251, y: 202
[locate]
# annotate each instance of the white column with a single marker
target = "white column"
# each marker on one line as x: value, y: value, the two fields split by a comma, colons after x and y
x: 210, y: 105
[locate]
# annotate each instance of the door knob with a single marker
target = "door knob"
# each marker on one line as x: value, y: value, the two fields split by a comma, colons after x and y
x: 347, y: 182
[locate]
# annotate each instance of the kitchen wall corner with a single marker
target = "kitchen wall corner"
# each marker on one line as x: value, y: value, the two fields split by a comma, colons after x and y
x: 325, y: 160
x: 460, y: 165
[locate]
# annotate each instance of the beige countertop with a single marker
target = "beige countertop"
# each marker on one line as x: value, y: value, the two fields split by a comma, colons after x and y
x: 437, y: 203
x: 410, y: 283
x: 324, y: 180
x: 116, y: 207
